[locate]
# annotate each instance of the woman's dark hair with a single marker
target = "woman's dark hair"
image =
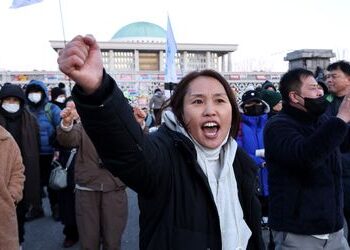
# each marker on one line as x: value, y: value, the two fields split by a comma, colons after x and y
x: 177, y: 99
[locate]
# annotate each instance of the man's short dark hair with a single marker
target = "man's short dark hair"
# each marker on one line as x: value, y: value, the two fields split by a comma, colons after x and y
x: 291, y: 81
x: 342, y: 65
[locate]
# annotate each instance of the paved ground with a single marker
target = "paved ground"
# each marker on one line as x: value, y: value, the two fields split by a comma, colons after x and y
x: 45, y: 233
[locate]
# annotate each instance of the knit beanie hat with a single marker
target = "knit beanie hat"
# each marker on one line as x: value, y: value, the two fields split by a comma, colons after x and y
x: 250, y: 96
x: 12, y: 90
x: 268, y: 84
x: 61, y: 85
x: 55, y: 92
x: 271, y: 97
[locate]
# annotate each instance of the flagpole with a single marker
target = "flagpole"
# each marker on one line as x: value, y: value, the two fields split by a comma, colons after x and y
x: 64, y: 33
x: 64, y: 40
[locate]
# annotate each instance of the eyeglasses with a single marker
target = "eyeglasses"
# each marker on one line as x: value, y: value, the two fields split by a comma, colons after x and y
x: 332, y: 76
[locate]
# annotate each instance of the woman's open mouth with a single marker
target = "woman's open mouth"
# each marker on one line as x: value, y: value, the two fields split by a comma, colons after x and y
x: 210, y: 129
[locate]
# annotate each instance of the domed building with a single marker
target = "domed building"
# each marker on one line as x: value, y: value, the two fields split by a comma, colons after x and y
x: 140, y: 31
x: 135, y: 56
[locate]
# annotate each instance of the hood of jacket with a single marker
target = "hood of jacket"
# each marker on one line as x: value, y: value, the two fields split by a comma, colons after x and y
x: 37, y: 85
x: 4, y: 134
x: 12, y: 90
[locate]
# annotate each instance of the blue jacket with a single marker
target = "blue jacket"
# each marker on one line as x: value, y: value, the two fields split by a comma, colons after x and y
x: 250, y: 139
x: 48, y: 121
x: 303, y: 155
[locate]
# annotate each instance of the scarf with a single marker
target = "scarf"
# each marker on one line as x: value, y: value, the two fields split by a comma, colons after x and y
x: 217, y: 165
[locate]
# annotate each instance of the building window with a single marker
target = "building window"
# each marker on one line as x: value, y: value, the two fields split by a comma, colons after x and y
x: 214, y: 61
x: 105, y: 60
x: 196, y: 61
x: 124, y: 61
x: 149, y: 61
x: 178, y: 61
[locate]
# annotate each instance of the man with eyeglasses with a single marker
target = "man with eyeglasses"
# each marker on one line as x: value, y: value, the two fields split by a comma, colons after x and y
x: 338, y: 81
x: 302, y: 151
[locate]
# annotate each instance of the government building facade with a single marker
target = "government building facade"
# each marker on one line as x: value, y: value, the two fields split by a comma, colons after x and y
x: 135, y: 58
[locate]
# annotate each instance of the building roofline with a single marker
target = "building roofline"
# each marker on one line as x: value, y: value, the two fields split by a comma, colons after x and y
x: 156, y: 46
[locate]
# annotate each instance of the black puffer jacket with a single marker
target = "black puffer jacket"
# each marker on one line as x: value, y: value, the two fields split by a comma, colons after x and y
x: 345, y: 156
x: 177, y: 209
x: 303, y: 155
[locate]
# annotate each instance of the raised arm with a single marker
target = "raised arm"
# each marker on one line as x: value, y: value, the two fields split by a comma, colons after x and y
x: 110, y: 122
x: 68, y: 134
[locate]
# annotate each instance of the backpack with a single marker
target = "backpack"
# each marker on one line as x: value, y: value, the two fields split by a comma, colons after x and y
x: 49, y: 115
x: 48, y: 111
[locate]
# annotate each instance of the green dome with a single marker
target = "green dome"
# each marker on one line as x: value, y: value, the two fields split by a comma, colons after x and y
x: 140, y: 30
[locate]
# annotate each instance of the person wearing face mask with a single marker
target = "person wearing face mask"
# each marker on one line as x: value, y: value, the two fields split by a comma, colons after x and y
x: 302, y: 150
x: 273, y: 99
x: 196, y: 187
x: 267, y: 85
x: 16, y: 118
x: 58, y: 97
x: 48, y: 118
x: 250, y: 138
x: 156, y: 103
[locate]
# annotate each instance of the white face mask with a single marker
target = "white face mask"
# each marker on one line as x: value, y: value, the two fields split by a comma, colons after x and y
x: 34, y: 97
x: 10, y: 107
x: 60, y: 99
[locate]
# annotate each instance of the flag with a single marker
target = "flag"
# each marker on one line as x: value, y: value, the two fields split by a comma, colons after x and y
x: 22, y: 3
x: 170, y: 63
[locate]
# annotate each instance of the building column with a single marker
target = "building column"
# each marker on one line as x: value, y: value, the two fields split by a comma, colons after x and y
x: 223, y: 63
x: 111, y: 65
x: 185, y: 62
x: 208, y: 60
x: 136, y: 61
x: 229, y: 62
x: 161, y: 61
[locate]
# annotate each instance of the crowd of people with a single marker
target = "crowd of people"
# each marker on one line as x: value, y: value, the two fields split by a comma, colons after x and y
x: 210, y: 172
x: 41, y: 126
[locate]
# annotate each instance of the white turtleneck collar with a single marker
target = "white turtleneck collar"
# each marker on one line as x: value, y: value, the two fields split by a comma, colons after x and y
x: 217, y: 165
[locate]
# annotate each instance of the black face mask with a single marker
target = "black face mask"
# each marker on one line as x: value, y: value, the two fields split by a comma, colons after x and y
x: 316, y: 106
x: 254, y: 110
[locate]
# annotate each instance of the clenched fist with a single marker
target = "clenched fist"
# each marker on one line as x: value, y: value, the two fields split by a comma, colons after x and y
x: 81, y: 60
x: 139, y: 115
x: 69, y: 114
